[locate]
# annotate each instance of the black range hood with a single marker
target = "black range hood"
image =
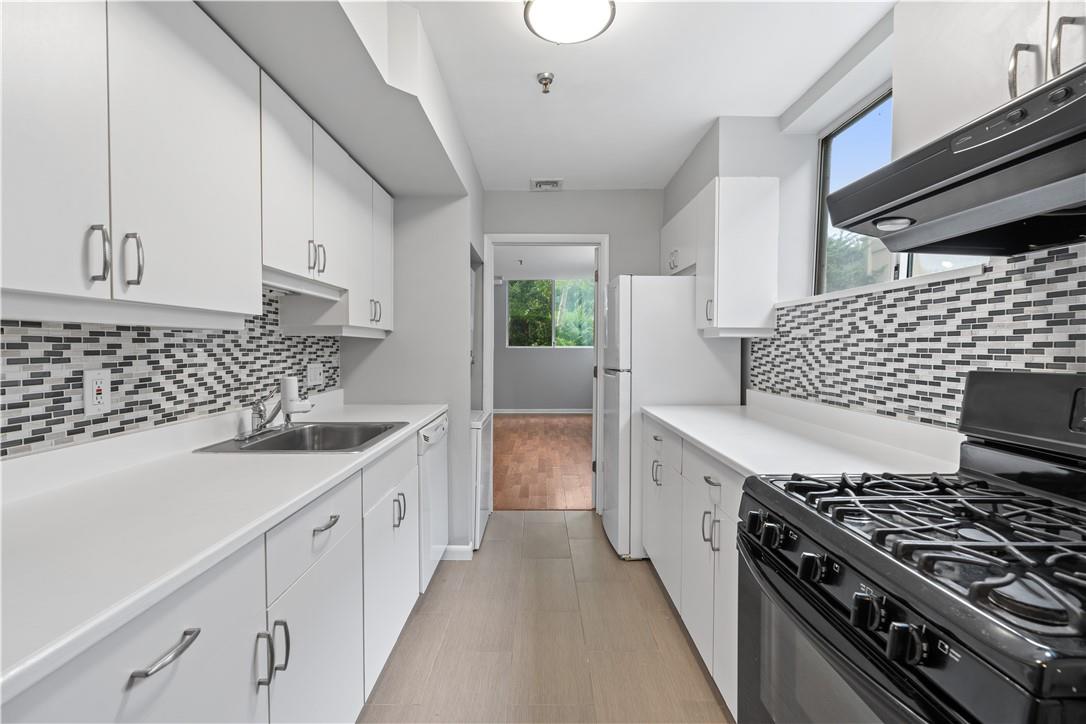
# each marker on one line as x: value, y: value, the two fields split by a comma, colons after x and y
x: 1011, y: 182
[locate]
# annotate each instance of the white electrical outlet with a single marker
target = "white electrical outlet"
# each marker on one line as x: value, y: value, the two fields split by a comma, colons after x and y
x: 96, y: 392
x: 314, y: 374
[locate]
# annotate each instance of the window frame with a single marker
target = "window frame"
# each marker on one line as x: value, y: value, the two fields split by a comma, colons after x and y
x: 822, y: 217
x: 554, y: 330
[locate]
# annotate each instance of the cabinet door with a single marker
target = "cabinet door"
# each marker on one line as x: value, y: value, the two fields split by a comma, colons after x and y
x: 343, y: 224
x: 747, y: 240
x: 320, y: 674
x: 704, y: 226
x: 725, y: 599
x: 1067, y: 51
x: 668, y: 246
x: 382, y: 257
x: 954, y: 57
x: 391, y: 570
x: 56, y: 148
x: 286, y: 152
x: 213, y: 679
x: 697, y: 567
x: 184, y: 110
x: 650, y: 495
x: 669, y: 562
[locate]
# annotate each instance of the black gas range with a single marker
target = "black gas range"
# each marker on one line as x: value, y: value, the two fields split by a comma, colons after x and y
x: 927, y: 596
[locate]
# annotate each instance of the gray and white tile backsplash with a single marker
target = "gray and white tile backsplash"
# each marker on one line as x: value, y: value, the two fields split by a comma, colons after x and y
x: 159, y: 375
x: 905, y: 352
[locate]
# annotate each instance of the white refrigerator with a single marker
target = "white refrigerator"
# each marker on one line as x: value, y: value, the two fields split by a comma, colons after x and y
x: 653, y: 355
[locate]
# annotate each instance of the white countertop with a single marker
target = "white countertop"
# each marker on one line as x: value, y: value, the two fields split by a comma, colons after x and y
x: 754, y: 441
x: 81, y: 560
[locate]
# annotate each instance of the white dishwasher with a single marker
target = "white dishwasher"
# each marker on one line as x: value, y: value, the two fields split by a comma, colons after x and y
x: 433, y: 497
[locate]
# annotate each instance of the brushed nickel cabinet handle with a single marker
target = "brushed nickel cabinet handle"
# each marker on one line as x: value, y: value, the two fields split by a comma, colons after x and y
x: 269, y: 658
x: 311, y: 255
x: 396, y: 517
x: 708, y: 310
x: 139, y: 259
x: 709, y: 480
x: 286, y: 641
x: 403, y: 506
x: 323, y: 256
x: 188, y: 636
x: 704, y: 517
x: 373, y: 310
x: 1012, y: 65
x: 380, y: 310
x: 107, y: 253
x: 1057, y: 38
x: 332, y: 520
x: 712, y: 537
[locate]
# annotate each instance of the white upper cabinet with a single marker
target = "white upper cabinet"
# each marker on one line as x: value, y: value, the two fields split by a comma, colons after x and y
x: 956, y: 61
x: 678, y: 245
x: 55, y: 149
x: 343, y: 223
x: 286, y: 150
x: 185, y: 160
x: 736, y: 232
x: 382, y: 258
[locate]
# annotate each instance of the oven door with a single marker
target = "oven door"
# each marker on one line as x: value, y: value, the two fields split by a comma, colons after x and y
x: 798, y: 665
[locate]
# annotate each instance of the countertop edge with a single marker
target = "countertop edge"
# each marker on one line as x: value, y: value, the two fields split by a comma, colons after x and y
x: 55, y: 654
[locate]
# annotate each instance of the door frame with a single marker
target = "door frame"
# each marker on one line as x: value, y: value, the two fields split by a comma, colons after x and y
x: 600, y: 242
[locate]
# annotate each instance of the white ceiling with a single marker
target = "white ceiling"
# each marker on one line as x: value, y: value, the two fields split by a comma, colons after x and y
x: 626, y: 108
x: 544, y: 262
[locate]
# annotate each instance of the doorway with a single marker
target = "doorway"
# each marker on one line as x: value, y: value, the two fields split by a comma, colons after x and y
x: 542, y: 325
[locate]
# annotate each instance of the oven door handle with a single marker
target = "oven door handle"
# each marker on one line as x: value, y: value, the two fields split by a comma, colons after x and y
x: 891, y: 707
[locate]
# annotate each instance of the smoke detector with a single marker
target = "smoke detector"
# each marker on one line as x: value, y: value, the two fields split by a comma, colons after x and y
x: 546, y: 184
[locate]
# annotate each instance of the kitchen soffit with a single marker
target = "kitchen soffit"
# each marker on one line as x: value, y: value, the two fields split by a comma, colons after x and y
x: 627, y: 107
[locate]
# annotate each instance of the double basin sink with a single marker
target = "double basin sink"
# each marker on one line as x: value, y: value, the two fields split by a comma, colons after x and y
x: 312, y: 437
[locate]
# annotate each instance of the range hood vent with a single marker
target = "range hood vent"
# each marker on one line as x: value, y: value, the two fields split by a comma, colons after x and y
x: 1011, y: 182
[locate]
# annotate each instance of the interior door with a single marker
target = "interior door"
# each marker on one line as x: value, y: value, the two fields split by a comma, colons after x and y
x: 597, y: 388
x: 56, y: 148
x: 184, y: 115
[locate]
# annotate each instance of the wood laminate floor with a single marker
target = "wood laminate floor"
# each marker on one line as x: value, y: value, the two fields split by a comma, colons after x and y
x: 542, y: 462
x: 545, y: 624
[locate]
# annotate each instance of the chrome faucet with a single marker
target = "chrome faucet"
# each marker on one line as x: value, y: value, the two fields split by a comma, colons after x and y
x: 261, y: 418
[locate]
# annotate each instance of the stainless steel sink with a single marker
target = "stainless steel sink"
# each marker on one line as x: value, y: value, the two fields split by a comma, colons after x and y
x: 312, y: 437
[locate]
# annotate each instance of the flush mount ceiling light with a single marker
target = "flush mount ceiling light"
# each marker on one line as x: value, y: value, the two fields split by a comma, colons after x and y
x: 568, y: 21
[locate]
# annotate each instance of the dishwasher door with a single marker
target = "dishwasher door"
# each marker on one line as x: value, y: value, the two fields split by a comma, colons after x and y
x: 433, y: 497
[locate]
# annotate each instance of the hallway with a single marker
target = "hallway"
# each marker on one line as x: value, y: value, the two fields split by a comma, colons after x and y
x: 542, y: 462
x: 545, y: 624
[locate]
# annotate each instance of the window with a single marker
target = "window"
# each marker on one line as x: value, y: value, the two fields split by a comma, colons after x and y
x: 847, y: 259
x: 550, y: 313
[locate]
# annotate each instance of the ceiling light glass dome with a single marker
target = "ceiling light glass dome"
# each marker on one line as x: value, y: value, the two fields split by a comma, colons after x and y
x: 568, y: 21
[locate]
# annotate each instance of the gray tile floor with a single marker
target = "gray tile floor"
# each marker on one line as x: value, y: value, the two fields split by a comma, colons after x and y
x: 545, y: 624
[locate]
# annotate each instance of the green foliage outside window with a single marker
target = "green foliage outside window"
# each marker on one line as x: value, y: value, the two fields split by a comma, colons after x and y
x: 546, y: 313
x: 853, y: 260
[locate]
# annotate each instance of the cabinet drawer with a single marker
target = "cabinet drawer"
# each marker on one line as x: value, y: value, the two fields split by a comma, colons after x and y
x: 666, y: 446
x: 698, y: 465
x: 300, y: 540
x: 385, y: 474
x: 211, y: 623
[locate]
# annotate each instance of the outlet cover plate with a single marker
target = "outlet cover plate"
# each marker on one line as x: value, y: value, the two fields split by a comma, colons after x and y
x: 314, y: 374
x: 96, y: 392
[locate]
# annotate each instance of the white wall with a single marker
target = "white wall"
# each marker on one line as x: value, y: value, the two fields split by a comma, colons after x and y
x: 700, y: 167
x: 631, y: 218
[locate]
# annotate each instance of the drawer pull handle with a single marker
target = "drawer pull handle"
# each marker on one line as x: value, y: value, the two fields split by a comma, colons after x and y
x: 107, y: 253
x: 286, y: 640
x: 709, y: 480
x: 269, y: 658
x: 139, y: 259
x: 187, y: 637
x: 657, y: 438
x: 332, y: 520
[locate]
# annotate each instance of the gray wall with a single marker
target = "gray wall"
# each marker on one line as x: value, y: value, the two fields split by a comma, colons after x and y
x: 700, y: 167
x: 631, y: 218
x: 538, y: 379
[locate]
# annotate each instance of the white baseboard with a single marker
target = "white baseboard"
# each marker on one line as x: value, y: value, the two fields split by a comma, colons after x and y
x: 552, y: 411
x: 458, y: 553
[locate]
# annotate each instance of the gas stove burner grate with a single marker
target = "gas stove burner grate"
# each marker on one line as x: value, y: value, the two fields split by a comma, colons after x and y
x: 1018, y: 555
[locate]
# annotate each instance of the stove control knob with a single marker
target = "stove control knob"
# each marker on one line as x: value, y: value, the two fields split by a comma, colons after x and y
x: 905, y: 644
x: 771, y: 535
x: 866, y: 612
x: 812, y: 567
x: 755, y: 519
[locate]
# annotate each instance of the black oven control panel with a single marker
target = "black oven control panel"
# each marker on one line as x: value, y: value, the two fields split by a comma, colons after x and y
x: 905, y: 638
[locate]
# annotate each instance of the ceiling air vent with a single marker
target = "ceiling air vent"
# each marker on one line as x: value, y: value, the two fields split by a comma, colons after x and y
x: 546, y: 184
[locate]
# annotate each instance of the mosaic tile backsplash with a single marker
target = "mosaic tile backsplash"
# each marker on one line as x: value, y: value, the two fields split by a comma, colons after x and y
x: 905, y: 352
x: 159, y: 375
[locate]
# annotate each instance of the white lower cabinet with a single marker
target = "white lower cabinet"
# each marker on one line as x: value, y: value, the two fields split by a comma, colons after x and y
x: 317, y: 629
x: 391, y: 560
x: 697, y: 566
x: 211, y: 625
x: 726, y: 589
x: 662, y: 506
